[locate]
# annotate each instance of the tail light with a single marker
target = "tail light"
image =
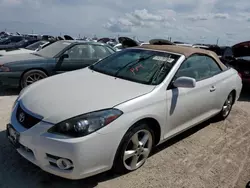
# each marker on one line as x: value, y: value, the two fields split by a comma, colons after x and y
x: 4, y: 68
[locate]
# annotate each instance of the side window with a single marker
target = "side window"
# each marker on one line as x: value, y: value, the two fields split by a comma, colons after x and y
x: 99, y: 52
x: 198, y: 67
x: 213, y: 66
x: 110, y: 50
x: 79, y: 51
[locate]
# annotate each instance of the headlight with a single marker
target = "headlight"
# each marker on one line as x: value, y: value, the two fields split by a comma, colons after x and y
x: 85, y: 124
x: 4, y: 68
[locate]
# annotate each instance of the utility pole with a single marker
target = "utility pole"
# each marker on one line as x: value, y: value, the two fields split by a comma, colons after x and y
x: 217, y: 41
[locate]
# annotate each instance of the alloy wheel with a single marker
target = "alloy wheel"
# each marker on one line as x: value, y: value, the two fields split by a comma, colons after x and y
x: 33, y: 78
x: 227, y: 105
x: 137, y: 150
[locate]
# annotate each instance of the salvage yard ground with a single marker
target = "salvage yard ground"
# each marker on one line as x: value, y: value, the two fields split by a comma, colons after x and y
x: 213, y: 154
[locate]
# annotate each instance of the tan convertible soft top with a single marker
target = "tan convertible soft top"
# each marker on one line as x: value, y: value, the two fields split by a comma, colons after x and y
x: 186, y: 51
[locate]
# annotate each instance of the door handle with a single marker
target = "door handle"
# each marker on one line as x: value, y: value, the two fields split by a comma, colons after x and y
x: 213, y: 88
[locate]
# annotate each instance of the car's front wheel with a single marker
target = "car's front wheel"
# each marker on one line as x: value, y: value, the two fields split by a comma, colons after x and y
x: 134, y: 149
x: 32, y: 76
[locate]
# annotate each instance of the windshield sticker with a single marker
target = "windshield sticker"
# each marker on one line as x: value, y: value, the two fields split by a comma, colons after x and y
x: 165, y: 59
x: 136, y: 69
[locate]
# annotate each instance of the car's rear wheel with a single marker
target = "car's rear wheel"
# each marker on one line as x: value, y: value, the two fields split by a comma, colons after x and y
x: 32, y: 76
x: 134, y: 149
x: 227, y: 107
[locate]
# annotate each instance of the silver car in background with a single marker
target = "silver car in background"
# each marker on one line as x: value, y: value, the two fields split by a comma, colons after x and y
x: 111, y: 114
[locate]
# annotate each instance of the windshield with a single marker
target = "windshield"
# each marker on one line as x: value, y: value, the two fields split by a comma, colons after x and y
x: 138, y: 65
x: 35, y: 45
x: 53, y: 49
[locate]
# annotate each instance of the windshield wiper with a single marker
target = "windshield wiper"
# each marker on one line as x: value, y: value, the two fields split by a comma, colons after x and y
x: 163, y: 66
x: 132, y: 63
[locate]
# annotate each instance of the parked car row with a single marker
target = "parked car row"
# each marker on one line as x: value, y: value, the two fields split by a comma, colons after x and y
x: 21, y: 70
x: 112, y: 107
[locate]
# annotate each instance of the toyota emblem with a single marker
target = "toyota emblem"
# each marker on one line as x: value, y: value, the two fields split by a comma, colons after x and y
x: 21, y: 117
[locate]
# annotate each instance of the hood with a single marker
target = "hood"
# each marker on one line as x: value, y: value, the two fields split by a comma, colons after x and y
x: 160, y: 42
x: 59, y: 38
x: 103, y: 40
x: 18, y: 57
x: 67, y: 37
x: 127, y: 42
x: 78, y: 92
x: 7, y: 46
x: 241, y: 49
x: 12, y: 52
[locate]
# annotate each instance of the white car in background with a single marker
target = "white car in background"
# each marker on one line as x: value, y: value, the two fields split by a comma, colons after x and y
x: 29, y: 49
x: 110, y: 115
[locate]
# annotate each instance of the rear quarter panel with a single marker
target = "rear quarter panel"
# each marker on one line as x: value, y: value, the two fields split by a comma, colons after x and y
x: 226, y: 82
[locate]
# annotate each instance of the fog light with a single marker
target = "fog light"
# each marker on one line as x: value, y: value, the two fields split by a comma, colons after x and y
x: 64, y: 164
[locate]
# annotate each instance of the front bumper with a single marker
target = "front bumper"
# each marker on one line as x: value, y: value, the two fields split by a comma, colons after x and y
x: 10, y: 79
x: 90, y: 155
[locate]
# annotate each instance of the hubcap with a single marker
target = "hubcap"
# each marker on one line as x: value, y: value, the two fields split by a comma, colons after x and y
x: 33, y: 78
x: 138, y: 149
x: 227, y: 105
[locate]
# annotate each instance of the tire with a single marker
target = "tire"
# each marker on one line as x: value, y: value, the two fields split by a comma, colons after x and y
x: 227, y: 107
x: 32, y: 76
x: 248, y: 185
x: 135, y: 152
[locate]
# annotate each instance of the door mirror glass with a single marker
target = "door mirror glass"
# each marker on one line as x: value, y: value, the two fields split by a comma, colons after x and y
x: 185, y: 82
x: 65, y: 56
x: 60, y: 61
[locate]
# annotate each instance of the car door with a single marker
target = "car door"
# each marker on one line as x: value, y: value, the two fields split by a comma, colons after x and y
x: 78, y: 56
x: 219, y: 83
x: 189, y: 106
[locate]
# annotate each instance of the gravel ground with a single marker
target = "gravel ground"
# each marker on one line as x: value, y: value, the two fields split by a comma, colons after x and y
x: 213, y: 154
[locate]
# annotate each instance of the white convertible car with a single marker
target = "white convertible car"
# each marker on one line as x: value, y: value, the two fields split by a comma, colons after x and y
x: 110, y: 115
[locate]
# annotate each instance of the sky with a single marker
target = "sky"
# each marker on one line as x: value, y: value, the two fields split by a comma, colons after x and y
x: 195, y: 21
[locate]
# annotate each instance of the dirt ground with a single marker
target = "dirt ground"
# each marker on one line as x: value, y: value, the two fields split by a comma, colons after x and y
x: 211, y: 155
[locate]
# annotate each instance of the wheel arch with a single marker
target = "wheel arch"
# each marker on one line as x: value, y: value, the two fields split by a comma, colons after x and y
x: 234, y: 95
x: 27, y: 70
x: 153, y: 124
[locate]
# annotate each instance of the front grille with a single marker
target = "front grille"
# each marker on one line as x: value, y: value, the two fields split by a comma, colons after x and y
x: 25, y: 119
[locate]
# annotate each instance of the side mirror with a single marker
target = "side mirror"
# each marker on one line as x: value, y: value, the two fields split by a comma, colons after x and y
x: 64, y: 56
x: 185, y: 82
x: 60, y: 61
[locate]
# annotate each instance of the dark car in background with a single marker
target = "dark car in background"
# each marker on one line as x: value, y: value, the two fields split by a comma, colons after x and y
x: 22, y: 70
x: 11, y: 39
x: 21, y: 44
x: 241, y: 60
